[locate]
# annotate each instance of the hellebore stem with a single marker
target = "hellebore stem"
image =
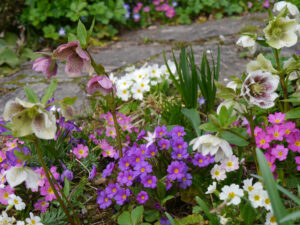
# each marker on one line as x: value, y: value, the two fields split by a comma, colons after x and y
x: 46, y: 170
x: 282, y: 82
x: 116, y: 125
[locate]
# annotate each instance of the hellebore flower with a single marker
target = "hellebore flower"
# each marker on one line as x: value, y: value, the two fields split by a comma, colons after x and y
x: 17, y: 175
x: 46, y: 65
x: 292, y: 9
x: 209, y: 144
x: 259, y: 89
x: 76, y: 58
x: 28, y: 118
x: 102, y: 84
x: 261, y: 63
x: 281, y: 32
x: 247, y: 42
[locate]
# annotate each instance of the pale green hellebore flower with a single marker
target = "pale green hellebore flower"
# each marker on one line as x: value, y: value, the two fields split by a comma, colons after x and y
x: 17, y: 175
x: 261, y: 63
x: 281, y: 32
x: 28, y: 118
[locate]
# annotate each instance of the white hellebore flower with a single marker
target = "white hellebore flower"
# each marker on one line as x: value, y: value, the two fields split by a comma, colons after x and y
x: 259, y: 89
x: 261, y: 63
x: 16, y: 201
x: 211, y: 188
x: 33, y: 220
x: 247, y: 42
x: 232, y: 194
x: 17, y: 175
x: 210, y: 144
x: 28, y: 118
x: 237, y: 107
x: 295, y: 74
x: 293, y: 10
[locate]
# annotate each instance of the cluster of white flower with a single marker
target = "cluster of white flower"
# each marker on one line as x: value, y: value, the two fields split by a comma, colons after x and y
x: 219, y: 171
x: 136, y: 82
x: 32, y: 220
x: 256, y: 194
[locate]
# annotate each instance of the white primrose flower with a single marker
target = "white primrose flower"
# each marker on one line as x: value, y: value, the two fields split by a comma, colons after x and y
x: 270, y: 219
x: 17, y: 175
x: 33, y: 220
x: 259, y: 89
x: 223, y: 220
x: 144, y: 85
x: 247, y: 42
x: 230, y: 164
x: 218, y: 173
x: 292, y: 9
x: 137, y: 92
x: 123, y: 94
x: 112, y: 78
x: 20, y: 223
x: 249, y: 187
x: 256, y: 198
x: 5, y: 219
x: 266, y: 201
x: 211, y: 188
x: 232, y: 194
x: 16, y: 201
x: 210, y: 144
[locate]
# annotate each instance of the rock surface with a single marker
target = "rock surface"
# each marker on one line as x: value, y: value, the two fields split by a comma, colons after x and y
x: 138, y: 47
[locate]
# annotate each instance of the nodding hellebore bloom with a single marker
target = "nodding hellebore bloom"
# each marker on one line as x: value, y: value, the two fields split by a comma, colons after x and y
x: 102, y: 84
x: 259, y: 88
x: 28, y: 118
x: 46, y: 65
x: 76, y: 58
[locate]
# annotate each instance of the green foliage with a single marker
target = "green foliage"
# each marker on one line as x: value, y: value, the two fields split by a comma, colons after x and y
x: 212, y: 217
x: 54, y: 216
x: 248, y: 214
x: 134, y: 217
x: 194, y: 118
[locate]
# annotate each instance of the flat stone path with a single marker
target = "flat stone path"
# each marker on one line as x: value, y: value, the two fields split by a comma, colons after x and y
x: 138, y: 47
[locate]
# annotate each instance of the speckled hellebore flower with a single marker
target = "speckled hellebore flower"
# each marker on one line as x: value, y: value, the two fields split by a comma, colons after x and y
x: 281, y: 32
x: 46, y: 65
x: 76, y: 58
x: 102, y: 84
x: 247, y: 42
x: 259, y: 88
x: 261, y: 63
x: 210, y: 144
x: 28, y: 118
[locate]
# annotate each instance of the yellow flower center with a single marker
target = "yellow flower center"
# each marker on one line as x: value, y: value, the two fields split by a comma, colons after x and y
x: 161, y: 133
x: 142, y: 197
x: 143, y: 170
x: 124, y: 91
x: 179, y: 134
x: 106, y: 199
x: 114, y: 190
x: 287, y: 131
x: 142, y: 85
x: 200, y: 161
x: 273, y: 219
x: 164, y: 146
x: 231, y: 195
x: 140, y: 76
x: 107, y: 152
x: 256, y: 198
x: 143, y: 152
x: 127, y: 164
x: 139, y: 91
x: 152, y: 153
x: 270, y: 164
x: 250, y: 188
x: 179, y: 146
x: 50, y: 191
x: 137, y: 159
x: 229, y: 164
x: 267, y: 201
x: 176, y: 171
x: 179, y: 155
x: 81, y: 152
x: 276, y: 134
x: 297, y: 143
x: 1, y: 159
x: 277, y: 121
x: 33, y: 221
x: 129, y: 177
x: 262, y: 141
x: 124, y: 196
x: 6, y: 195
x: 149, y: 181
x: 217, y: 173
x: 43, y: 203
x: 280, y: 153
x: 16, y: 201
x: 184, y: 179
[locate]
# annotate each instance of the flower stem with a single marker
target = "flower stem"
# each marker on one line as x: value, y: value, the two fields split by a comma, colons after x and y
x: 46, y: 170
x: 282, y: 82
x: 113, y: 109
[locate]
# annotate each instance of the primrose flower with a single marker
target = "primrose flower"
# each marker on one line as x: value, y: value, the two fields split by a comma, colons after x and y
x: 126, y: 177
x: 81, y: 151
x: 270, y: 160
x: 276, y: 118
x: 232, y: 194
x: 186, y: 181
x: 294, y: 141
x: 276, y: 132
x: 48, y: 192
x: 211, y: 188
x: 112, y: 189
x: 213, y: 145
x: 177, y: 131
x: 161, y: 131
x: 5, y: 193
x: 164, y: 144
x: 270, y: 219
x: 28, y: 118
x: 262, y: 140
x: 249, y: 187
x: 266, y: 201
x: 297, y: 159
x: 93, y: 172
x: 256, y: 198
x: 281, y: 32
x: 33, y: 220
x: 259, y: 89
x: 76, y: 58
x: 108, y: 170
x: 41, y: 205
x: 102, y: 84
x: 218, y: 173
x: 177, y: 170
x: 149, y: 181
x: 17, y: 175
x: 122, y: 195
x: 103, y: 200
x: 5, y: 219
x: 230, y: 164
x: 16, y: 201
x: 179, y: 154
x: 143, y: 168
x: 46, y: 65
x: 142, y: 197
